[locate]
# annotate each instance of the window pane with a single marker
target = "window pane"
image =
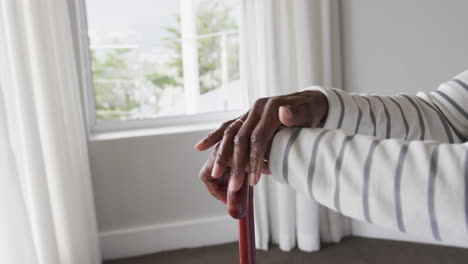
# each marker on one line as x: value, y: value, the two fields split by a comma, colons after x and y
x: 138, y: 59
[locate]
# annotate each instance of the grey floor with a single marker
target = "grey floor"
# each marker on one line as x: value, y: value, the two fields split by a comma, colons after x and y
x: 349, y: 251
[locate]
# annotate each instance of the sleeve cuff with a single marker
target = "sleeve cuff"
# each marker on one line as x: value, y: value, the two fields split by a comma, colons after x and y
x: 278, y: 148
x: 462, y: 79
x: 335, y: 114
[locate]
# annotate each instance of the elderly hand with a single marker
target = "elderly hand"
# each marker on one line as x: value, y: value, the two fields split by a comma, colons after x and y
x: 237, y: 201
x: 244, y: 141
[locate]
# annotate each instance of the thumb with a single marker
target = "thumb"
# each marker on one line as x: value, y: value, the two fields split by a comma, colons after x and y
x: 297, y: 115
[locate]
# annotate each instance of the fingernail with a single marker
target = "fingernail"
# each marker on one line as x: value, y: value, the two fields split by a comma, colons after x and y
x: 232, y: 187
x: 257, y: 179
x: 286, y: 112
x: 198, y: 144
x: 252, y: 179
x: 216, y: 172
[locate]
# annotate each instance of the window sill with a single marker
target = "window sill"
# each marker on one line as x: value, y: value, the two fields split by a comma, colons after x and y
x: 144, y: 132
x: 160, y: 126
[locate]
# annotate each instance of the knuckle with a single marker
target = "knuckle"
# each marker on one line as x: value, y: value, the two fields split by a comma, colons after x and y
x: 261, y: 101
x: 221, y: 158
x: 229, y: 130
x: 257, y: 137
x: 235, y: 172
x: 240, y: 138
x: 273, y: 101
x: 253, y: 164
x: 226, y: 124
x: 202, y: 178
x: 201, y: 174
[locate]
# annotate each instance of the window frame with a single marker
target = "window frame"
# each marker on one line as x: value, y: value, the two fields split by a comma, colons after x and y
x: 85, y: 71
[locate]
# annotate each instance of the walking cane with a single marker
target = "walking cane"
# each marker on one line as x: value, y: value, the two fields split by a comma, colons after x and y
x: 247, y: 233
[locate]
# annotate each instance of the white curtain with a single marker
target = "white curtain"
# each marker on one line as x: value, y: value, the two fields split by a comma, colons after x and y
x: 46, y: 203
x: 288, y: 45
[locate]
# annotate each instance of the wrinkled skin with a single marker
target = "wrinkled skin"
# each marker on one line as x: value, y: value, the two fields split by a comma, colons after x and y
x: 236, y: 201
x: 240, y: 155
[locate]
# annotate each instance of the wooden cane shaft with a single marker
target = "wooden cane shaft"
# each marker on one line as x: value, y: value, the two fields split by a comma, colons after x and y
x: 247, y: 234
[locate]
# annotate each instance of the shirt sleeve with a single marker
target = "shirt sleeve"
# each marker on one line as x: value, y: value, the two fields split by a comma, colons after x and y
x: 439, y: 115
x: 418, y: 187
x: 395, y: 161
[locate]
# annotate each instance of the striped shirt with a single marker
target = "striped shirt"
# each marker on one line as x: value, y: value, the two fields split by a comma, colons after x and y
x: 395, y: 161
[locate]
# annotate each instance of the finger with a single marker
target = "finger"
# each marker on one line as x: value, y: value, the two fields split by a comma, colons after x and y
x: 240, y: 154
x: 225, y: 149
x: 215, y: 136
x: 238, y: 201
x: 263, y: 168
x: 238, y: 169
x: 262, y: 134
x: 216, y: 187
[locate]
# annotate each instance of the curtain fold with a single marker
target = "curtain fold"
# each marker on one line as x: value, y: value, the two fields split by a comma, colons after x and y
x: 45, y: 177
x: 285, y: 47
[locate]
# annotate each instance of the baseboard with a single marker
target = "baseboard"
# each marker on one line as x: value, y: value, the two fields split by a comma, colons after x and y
x: 155, y: 238
x: 362, y: 229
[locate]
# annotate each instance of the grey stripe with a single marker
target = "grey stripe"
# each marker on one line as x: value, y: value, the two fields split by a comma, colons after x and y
x: 338, y: 165
x: 462, y: 84
x: 291, y: 140
x: 359, y: 116
x: 422, y: 127
x: 387, y: 115
x: 371, y: 112
x: 405, y: 121
x: 431, y: 190
x: 342, y: 111
x: 365, y: 187
x: 455, y: 130
x: 466, y: 189
x: 313, y: 162
x: 453, y: 103
x: 399, y: 169
x: 442, y: 119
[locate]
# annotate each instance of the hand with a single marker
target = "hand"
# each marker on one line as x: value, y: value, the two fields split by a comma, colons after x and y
x: 244, y: 141
x: 237, y: 201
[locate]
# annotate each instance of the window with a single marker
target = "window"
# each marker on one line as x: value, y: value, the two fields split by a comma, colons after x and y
x: 163, y: 60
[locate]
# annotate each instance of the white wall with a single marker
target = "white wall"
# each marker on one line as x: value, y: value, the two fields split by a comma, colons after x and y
x: 148, y: 196
x: 402, y: 46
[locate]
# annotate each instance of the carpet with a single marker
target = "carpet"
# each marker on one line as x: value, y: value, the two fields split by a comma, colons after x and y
x: 351, y: 250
